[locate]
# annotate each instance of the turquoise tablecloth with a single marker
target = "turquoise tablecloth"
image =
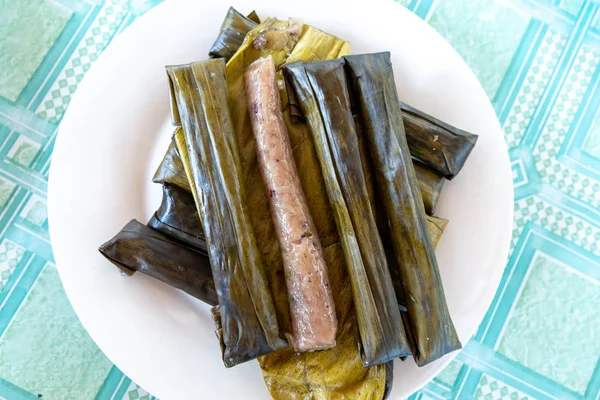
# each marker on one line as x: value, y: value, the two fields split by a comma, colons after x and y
x: 538, y: 61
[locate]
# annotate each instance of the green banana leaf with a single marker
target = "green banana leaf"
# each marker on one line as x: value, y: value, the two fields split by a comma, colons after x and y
x: 428, y: 321
x: 435, y: 227
x: 245, y: 318
x: 441, y: 146
x: 234, y: 28
x: 322, y: 92
x: 139, y: 248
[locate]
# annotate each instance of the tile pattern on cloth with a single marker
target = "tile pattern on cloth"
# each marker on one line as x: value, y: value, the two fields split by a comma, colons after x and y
x: 561, y: 222
x: 533, y: 86
x: 33, y: 25
x: 97, y: 37
x: 10, y: 255
x: 491, y: 389
x: 538, y: 61
x: 559, y: 122
x: 135, y: 392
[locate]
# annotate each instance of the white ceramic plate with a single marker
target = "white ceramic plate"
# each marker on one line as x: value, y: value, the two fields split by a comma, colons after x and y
x: 116, y: 131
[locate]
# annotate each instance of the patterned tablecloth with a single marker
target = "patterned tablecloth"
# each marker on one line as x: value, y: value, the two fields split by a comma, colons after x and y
x: 538, y: 61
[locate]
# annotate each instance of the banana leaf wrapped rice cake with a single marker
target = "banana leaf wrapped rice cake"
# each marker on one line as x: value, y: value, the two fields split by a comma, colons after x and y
x: 431, y: 329
x: 441, y: 146
x: 245, y: 314
x: 140, y: 248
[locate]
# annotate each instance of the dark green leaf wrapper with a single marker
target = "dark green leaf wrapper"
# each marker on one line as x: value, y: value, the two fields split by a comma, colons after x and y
x: 430, y: 183
x: 178, y: 218
x: 323, y: 94
x: 441, y: 146
x: 436, y: 227
x: 294, y: 107
x: 428, y: 320
x: 246, y: 320
x: 139, y: 248
x: 233, y: 30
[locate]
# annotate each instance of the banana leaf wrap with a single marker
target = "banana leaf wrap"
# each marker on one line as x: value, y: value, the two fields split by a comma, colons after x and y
x: 295, y: 109
x: 429, y: 325
x: 430, y: 184
x: 323, y: 94
x: 178, y: 218
x: 140, y: 248
x: 171, y: 169
x: 234, y: 28
x: 246, y: 314
x: 441, y: 146
x: 436, y: 227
